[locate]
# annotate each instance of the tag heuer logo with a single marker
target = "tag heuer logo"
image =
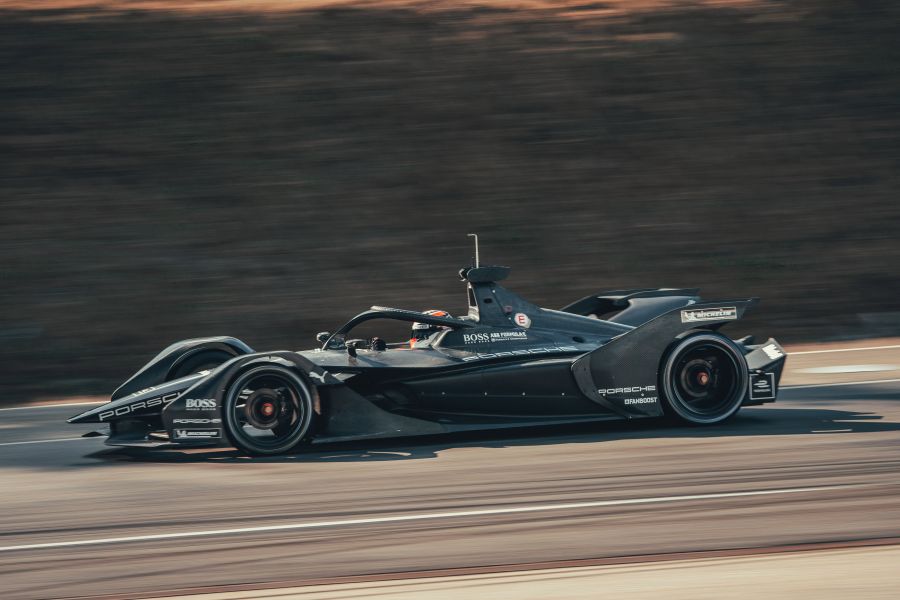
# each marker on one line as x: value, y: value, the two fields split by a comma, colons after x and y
x: 725, y: 313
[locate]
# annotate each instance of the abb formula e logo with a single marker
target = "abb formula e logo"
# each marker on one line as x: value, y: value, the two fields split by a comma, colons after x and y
x: 762, y: 386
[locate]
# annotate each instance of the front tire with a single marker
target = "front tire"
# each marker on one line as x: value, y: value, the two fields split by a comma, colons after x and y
x: 268, y: 410
x: 704, y: 379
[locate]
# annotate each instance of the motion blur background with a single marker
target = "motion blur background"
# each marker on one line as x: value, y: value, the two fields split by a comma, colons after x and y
x: 266, y: 169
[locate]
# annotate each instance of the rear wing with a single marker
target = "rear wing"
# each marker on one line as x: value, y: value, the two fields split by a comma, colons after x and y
x: 633, y: 307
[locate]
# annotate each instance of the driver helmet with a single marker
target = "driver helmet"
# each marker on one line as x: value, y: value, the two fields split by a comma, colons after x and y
x: 423, y: 331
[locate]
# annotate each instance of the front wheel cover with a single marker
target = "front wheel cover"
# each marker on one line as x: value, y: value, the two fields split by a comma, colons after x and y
x: 704, y: 379
x: 195, y: 362
x: 268, y: 410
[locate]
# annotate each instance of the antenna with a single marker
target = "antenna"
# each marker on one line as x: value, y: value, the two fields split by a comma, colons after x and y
x: 477, y: 259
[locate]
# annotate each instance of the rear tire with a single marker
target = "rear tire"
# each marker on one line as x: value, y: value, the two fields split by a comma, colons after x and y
x: 268, y: 410
x: 704, y: 379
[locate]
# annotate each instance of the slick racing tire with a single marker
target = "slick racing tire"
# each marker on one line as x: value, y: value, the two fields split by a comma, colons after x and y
x: 704, y: 379
x: 267, y: 410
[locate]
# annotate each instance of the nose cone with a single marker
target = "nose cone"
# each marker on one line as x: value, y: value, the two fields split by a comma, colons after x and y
x: 89, y: 416
x: 145, y: 403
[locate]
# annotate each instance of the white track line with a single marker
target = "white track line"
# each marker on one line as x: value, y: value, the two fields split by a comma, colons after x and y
x: 843, y: 350
x: 43, y: 441
x: 839, y: 369
x: 419, y: 517
x: 824, y: 385
x: 54, y: 405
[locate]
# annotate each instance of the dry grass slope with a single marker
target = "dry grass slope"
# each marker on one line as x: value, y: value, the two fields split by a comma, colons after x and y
x: 175, y: 169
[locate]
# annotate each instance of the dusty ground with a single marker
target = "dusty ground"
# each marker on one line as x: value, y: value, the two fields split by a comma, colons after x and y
x: 830, y: 575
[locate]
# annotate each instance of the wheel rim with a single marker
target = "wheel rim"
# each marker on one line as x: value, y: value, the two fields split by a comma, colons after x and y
x: 705, y: 380
x: 268, y: 410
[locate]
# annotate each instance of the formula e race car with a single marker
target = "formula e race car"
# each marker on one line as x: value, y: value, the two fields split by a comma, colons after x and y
x: 507, y: 363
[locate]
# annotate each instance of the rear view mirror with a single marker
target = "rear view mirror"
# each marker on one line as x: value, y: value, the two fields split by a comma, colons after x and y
x: 323, y: 336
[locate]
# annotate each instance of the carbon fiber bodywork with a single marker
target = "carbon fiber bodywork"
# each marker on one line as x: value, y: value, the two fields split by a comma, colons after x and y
x: 507, y: 363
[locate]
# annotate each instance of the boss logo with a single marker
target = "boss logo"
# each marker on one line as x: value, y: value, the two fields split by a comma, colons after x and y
x: 495, y: 336
x: 476, y: 338
x: 200, y: 403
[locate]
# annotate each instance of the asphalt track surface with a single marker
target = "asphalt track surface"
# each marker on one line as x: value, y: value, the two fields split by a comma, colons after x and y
x: 820, y: 466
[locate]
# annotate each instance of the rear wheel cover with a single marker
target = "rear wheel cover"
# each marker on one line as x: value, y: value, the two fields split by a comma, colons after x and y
x: 704, y: 379
x: 268, y: 410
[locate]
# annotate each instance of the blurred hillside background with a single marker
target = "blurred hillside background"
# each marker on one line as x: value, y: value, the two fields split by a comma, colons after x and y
x: 267, y: 169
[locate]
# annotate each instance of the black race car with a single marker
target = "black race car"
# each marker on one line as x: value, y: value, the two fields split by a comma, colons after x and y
x: 626, y: 354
